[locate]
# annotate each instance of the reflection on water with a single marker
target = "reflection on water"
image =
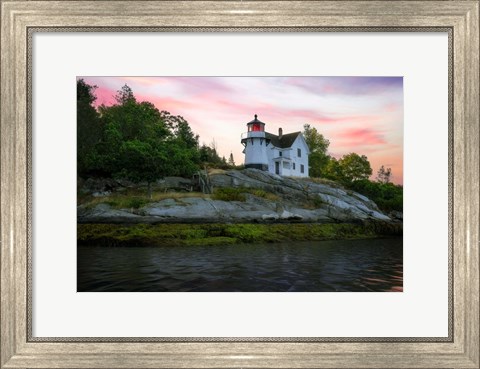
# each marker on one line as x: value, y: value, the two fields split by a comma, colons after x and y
x: 352, y: 265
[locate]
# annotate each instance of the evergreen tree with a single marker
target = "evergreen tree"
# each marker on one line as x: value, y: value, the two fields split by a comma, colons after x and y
x: 89, y: 126
x: 231, y: 161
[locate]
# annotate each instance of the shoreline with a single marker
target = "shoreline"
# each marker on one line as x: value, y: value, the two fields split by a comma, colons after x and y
x: 210, y: 234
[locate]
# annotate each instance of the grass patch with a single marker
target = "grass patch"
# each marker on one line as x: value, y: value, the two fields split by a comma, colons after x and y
x: 134, y: 198
x: 239, y: 194
x: 229, y: 194
x: 315, y: 202
x: 263, y: 194
x: 225, y: 234
x: 323, y: 181
x: 127, y: 202
x: 214, y: 171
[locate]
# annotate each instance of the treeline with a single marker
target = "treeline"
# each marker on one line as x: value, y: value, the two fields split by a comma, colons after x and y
x: 353, y: 171
x: 136, y: 141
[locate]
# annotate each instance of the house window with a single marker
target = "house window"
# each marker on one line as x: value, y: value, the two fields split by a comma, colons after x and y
x: 293, y: 166
x: 299, y: 153
x: 280, y: 153
x: 302, y: 168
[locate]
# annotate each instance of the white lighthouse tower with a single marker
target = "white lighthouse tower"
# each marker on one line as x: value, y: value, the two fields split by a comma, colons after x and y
x: 255, y: 145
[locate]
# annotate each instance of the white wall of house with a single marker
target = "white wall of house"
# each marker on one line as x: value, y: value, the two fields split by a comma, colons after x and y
x: 272, y: 153
x: 299, y: 155
x: 291, y: 161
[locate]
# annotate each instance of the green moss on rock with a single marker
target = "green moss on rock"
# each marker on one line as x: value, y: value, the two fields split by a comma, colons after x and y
x: 215, y: 234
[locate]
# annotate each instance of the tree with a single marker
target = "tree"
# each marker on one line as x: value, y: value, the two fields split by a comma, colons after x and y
x: 180, y: 129
x: 383, y: 175
x: 141, y: 161
x: 333, y: 171
x: 231, y: 161
x: 135, y: 138
x: 125, y: 95
x: 182, y: 145
x: 355, y: 167
x: 209, y: 155
x: 89, y: 126
x: 318, y: 146
x: 143, y: 144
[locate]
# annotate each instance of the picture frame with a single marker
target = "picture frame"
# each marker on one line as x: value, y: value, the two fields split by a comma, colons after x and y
x: 20, y: 19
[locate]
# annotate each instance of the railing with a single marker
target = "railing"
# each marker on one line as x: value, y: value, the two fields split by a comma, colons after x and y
x: 250, y: 134
x: 202, y: 180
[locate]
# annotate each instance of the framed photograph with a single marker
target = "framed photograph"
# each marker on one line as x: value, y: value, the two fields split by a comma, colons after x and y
x: 221, y: 184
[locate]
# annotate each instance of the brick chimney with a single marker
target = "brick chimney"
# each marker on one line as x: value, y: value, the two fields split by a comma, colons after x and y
x: 280, y: 133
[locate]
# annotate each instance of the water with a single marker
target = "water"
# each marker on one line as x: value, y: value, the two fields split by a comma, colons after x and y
x: 354, y: 265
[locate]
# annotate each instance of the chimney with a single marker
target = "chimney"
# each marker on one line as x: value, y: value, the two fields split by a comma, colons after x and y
x: 280, y: 133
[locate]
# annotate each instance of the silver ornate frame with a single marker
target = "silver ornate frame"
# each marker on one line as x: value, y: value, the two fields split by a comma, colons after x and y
x: 21, y: 19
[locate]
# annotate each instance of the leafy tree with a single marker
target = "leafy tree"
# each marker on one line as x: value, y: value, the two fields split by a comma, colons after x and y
x: 383, y: 175
x: 180, y: 129
x: 387, y: 196
x: 353, y: 170
x: 209, y: 155
x: 182, y: 145
x: 142, y: 144
x: 355, y: 167
x: 89, y: 125
x: 333, y: 170
x: 318, y: 145
x: 141, y: 161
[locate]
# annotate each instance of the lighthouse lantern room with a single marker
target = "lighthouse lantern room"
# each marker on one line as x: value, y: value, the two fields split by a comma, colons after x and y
x: 255, y: 144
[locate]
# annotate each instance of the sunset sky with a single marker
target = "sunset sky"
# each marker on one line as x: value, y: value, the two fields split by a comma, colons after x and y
x: 357, y: 114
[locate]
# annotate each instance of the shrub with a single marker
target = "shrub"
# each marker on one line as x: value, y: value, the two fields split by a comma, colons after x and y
x: 126, y: 202
x: 317, y: 201
x: 387, y: 196
x: 262, y: 193
x: 136, y: 202
x: 229, y: 194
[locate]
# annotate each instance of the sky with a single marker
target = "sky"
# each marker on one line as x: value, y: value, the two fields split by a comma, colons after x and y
x: 356, y: 114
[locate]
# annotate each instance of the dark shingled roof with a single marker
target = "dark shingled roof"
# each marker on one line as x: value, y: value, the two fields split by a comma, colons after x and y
x: 285, y: 142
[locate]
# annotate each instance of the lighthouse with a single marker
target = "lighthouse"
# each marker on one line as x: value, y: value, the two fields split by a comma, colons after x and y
x: 255, y: 144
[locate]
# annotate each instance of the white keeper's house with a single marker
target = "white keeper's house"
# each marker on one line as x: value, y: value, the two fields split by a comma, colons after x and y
x: 283, y: 154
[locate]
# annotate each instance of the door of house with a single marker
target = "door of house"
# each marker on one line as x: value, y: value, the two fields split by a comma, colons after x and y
x: 277, y: 167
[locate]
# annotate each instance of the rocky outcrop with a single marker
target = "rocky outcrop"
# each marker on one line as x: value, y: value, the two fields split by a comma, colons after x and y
x: 291, y: 200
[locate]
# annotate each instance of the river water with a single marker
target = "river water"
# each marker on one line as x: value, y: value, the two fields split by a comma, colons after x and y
x: 346, y: 265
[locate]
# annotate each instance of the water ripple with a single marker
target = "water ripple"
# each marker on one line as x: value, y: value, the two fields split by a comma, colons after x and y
x: 353, y: 265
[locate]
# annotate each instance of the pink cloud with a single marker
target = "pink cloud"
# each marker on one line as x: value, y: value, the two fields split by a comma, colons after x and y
x: 360, y: 137
x: 218, y: 108
x: 105, y: 96
x: 349, y: 86
x: 147, y: 81
x: 393, y: 107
